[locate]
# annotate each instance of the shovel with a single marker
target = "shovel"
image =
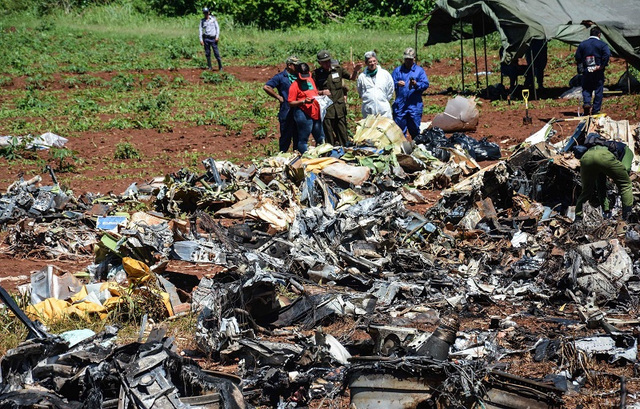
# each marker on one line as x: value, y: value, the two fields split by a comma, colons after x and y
x: 527, y: 119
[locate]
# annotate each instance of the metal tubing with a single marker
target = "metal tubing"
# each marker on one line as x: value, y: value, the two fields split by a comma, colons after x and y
x: 486, y: 64
x: 475, y: 56
x: 461, y: 57
x: 533, y: 74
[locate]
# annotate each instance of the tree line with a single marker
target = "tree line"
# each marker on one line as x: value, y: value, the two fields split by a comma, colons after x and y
x: 264, y: 14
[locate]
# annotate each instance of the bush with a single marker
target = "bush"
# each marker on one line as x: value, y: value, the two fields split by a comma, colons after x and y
x: 282, y: 14
x: 125, y: 150
x: 64, y: 158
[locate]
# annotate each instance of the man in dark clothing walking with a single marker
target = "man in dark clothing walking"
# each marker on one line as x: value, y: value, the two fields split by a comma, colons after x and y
x: 329, y: 77
x: 209, y: 36
x: 592, y: 56
x: 281, y: 83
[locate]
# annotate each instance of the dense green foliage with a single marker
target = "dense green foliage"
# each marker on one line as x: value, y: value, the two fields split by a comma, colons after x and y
x: 283, y: 13
x: 265, y: 14
x: 117, y: 37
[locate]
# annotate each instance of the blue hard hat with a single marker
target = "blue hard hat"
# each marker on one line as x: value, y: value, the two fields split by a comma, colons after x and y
x: 205, y: 9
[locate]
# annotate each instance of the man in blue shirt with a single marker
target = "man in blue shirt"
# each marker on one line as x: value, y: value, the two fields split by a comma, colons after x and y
x: 592, y: 56
x: 410, y: 82
x: 209, y: 36
x: 281, y: 82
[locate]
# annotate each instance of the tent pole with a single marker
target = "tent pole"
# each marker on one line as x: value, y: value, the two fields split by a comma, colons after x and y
x: 415, y: 47
x: 461, y: 57
x: 486, y: 65
x: 475, y: 56
x: 628, y: 78
x: 533, y: 75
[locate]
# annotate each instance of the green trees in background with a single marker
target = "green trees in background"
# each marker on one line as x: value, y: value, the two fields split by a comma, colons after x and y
x: 274, y: 14
x: 265, y: 14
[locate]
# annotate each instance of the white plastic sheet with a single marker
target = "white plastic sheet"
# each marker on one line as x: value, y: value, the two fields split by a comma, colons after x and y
x: 45, y: 141
x: 325, y: 102
x: 460, y: 114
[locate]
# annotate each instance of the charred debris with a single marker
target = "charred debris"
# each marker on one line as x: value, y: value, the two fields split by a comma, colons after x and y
x: 333, y: 286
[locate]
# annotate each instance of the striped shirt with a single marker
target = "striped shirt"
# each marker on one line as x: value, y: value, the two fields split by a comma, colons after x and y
x: 209, y: 27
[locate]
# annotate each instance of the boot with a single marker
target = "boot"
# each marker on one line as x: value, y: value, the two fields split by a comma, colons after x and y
x: 587, y: 110
x: 626, y: 212
x: 219, y: 65
x: 209, y: 62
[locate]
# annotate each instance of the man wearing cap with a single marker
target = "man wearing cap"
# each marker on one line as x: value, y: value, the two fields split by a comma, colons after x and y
x: 328, y: 77
x: 410, y: 82
x: 306, y: 109
x: 209, y: 36
x: 282, y: 82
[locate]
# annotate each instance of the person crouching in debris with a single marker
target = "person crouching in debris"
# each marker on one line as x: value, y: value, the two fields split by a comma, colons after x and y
x: 306, y: 109
x: 600, y: 158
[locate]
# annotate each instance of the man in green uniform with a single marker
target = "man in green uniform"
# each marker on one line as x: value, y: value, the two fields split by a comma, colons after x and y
x: 604, y: 159
x: 329, y: 77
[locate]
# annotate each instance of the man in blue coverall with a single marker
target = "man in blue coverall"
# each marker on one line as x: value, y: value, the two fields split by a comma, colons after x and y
x: 593, y: 56
x: 410, y: 82
x: 281, y: 82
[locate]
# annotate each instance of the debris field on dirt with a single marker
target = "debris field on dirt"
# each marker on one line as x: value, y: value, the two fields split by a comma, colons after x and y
x: 334, y: 288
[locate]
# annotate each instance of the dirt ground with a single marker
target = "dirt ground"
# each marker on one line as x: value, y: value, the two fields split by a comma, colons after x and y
x: 499, y: 124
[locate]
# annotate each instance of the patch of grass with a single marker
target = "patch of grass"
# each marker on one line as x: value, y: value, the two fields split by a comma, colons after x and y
x: 38, y: 81
x: 123, y: 82
x: 209, y: 77
x: 91, y: 81
x: 135, y: 304
x: 82, y: 106
x: 178, y: 82
x: 34, y: 100
x: 16, y: 148
x: 150, y: 103
x: 126, y: 150
x: 70, y: 82
x: 5, y: 81
x: 65, y: 159
x: 119, y: 123
x: 158, y: 81
x: 78, y: 68
x: 12, y: 331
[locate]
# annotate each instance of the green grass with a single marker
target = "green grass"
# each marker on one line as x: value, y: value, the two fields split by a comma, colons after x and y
x: 115, y: 37
x: 88, y: 72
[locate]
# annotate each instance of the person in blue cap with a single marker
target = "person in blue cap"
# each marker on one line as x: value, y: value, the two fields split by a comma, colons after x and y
x: 209, y: 37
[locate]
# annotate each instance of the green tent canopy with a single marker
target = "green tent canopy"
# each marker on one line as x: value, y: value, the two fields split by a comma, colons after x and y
x: 520, y: 21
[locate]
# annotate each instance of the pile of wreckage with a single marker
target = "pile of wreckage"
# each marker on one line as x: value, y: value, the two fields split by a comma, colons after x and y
x: 325, y: 248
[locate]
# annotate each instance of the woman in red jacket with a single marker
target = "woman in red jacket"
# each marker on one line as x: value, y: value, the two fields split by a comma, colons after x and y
x: 306, y: 110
